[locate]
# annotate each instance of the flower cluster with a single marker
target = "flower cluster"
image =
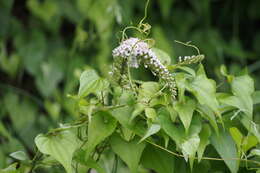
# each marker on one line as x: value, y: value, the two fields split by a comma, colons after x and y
x: 190, y: 59
x: 131, y: 49
x: 133, y: 52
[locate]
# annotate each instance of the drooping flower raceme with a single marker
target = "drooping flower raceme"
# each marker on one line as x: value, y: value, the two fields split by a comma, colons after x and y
x: 133, y: 52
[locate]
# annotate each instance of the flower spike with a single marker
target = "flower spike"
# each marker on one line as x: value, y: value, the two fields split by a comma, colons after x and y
x: 134, y: 52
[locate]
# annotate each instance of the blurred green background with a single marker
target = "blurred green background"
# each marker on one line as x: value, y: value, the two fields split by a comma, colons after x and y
x: 45, y: 44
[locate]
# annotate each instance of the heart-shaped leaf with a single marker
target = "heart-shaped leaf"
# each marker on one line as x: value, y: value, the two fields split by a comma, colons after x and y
x: 60, y: 146
x: 102, y: 125
x: 130, y: 152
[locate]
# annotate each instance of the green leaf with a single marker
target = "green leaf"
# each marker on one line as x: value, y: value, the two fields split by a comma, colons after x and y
x: 90, y: 82
x: 154, y: 128
x: 226, y: 148
x: 180, y: 81
x: 102, y: 125
x: 242, y: 88
x: 93, y: 164
x: 60, y: 146
x: 185, y: 111
x: 19, y: 155
x: 32, y: 50
x: 204, y: 90
x: 190, y: 142
x: 251, y: 127
x: 150, y: 113
x: 49, y: 77
x: 164, y: 58
x: 123, y: 115
x: 10, y: 169
x: 175, y: 132
x: 189, y: 147
x: 129, y: 152
x: 254, y: 152
x: 209, y: 115
x: 249, y: 142
x: 188, y: 70
x: 224, y: 72
x: 236, y: 135
x: 204, y: 140
x: 139, y: 108
x: 10, y: 64
x: 147, y: 91
x: 157, y: 159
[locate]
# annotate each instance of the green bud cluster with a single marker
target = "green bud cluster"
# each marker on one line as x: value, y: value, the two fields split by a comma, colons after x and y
x: 190, y: 59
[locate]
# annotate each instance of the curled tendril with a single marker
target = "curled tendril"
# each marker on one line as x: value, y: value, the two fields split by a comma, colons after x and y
x: 190, y: 59
x: 143, y: 28
x: 189, y: 45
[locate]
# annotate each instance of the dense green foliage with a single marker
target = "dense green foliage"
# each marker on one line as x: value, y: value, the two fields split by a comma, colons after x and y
x: 47, y: 46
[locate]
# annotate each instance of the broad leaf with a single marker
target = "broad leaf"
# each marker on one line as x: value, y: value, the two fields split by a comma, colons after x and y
x: 249, y: 142
x: 90, y: 82
x: 93, y: 164
x: 60, y: 146
x: 157, y: 159
x: 102, y: 125
x: 254, y: 152
x: 251, y: 127
x: 208, y: 114
x: 147, y: 91
x: 236, y: 135
x: 189, y: 147
x: 139, y: 108
x: 244, y: 142
x: 204, y: 140
x: 226, y: 148
x: 154, y: 128
x: 190, y: 142
x: 19, y: 155
x: 123, y: 115
x: 174, y: 131
x: 10, y: 169
x: 185, y: 111
x: 204, y: 90
x: 129, y: 152
x: 150, y: 113
x: 242, y: 88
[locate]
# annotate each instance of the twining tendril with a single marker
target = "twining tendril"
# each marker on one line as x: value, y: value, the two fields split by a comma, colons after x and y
x: 190, y: 59
x: 143, y: 28
x: 189, y: 45
x: 132, y: 53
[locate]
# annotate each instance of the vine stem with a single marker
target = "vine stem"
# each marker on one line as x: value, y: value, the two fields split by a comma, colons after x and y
x: 115, y: 164
x: 145, y: 13
x: 189, y: 45
x: 130, y: 79
x: 139, y: 26
x: 203, y: 158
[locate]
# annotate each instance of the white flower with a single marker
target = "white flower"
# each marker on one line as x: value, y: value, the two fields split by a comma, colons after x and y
x: 135, y: 51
